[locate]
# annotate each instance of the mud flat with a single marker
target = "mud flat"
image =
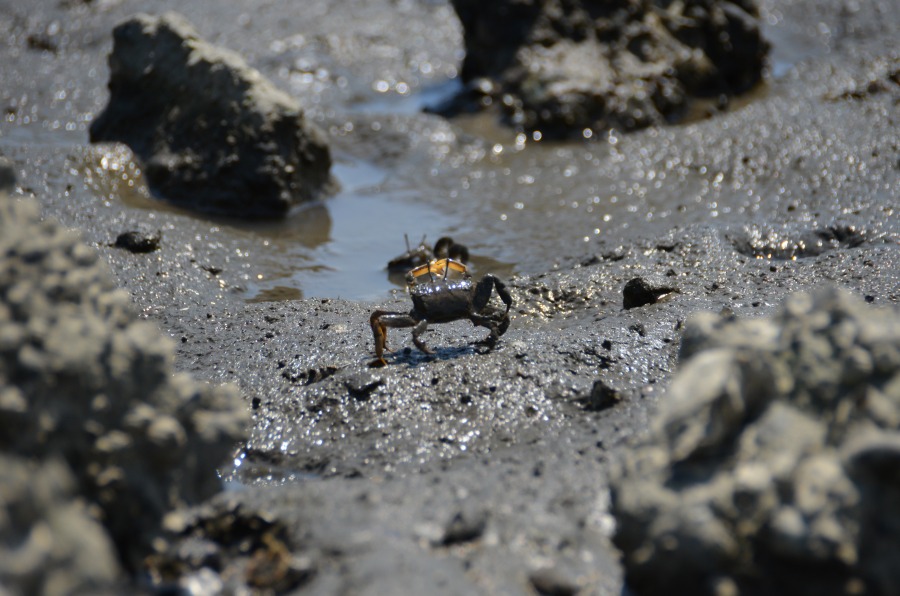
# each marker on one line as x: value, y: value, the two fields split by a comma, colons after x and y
x: 472, y: 470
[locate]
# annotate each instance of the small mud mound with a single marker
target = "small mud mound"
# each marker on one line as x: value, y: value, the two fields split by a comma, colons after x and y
x: 772, y: 465
x: 787, y: 244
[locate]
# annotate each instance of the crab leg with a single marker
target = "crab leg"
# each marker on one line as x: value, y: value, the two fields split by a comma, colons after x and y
x: 483, y: 292
x: 496, y: 327
x: 418, y: 330
x: 380, y: 321
x: 379, y: 334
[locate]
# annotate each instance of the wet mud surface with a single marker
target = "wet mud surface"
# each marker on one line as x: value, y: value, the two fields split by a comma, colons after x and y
x: 472, y: 470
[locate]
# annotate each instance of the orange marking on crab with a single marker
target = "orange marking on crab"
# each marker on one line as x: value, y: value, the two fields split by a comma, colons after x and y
x: 440, y: 266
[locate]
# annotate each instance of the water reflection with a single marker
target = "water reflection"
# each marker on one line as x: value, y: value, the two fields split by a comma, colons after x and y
x: 388, y: 101
x: 277, y: 294
x: 307, y: 226
x: 338, y: 247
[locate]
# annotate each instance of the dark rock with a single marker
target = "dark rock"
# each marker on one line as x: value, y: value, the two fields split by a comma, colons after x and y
x: 310, y: 375
x: 139, y: 241
x: 465, y: 526
x: 639, y: 292
x: 772, y: 463
x: 563, y: 67
x: 214, y: 134
x: 550, y: 582
x: 43, y: 42
x: 602, y: 396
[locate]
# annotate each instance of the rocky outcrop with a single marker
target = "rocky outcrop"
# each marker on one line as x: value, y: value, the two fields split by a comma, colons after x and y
x: 773, y: 464
x: 213, y: 133
x: 575, y: 67
x: 91, y: 411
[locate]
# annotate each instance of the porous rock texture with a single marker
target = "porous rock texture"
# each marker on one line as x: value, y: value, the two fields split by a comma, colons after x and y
x: 88, y: 389
x: 50, y: 543
x: 566, y: 66
x: 772, y: 466
x: 213, y: 133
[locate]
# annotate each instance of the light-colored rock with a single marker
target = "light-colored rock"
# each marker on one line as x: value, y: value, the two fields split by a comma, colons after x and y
x: 83, y: 379
x: 49, y: 544
x: 775, y: 455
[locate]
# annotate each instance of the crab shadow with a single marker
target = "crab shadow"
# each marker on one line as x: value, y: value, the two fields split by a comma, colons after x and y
x: 412, y: 357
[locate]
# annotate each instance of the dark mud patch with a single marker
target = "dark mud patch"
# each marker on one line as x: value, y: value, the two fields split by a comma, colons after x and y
x: 788, y: 243
x: 308, y: 376
x: 245, y: 549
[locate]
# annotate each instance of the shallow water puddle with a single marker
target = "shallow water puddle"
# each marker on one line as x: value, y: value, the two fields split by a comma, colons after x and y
x: 392, y: 102
x: 335, y: 248
x: 343, y: 253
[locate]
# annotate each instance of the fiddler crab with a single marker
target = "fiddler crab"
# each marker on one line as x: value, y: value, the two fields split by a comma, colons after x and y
x: 442, y: 291
x: 422, y: 254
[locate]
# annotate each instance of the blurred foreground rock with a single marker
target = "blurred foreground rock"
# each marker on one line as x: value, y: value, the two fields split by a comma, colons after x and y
x: 102, y: 438
x: 563, y: 67
x: 213, y: 133
x: 51, y: 543
x: 774, y: 463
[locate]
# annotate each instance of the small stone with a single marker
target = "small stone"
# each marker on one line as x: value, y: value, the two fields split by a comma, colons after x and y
x: 138, y: 241
x: 602, y: 396
x: 465, y: 526
x: 550, y: 582
x: 638, y: 292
